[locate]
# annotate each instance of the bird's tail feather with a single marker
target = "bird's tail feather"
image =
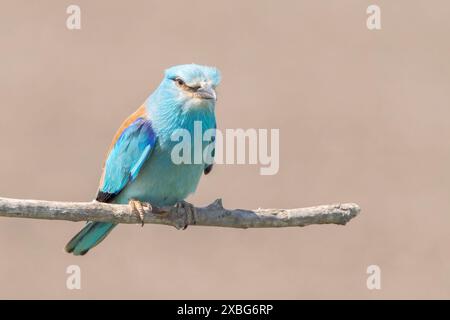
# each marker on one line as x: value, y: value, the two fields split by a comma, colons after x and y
x: 91, y: 235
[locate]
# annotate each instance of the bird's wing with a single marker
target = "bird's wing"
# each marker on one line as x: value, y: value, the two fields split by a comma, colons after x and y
x: 209, y: 166
x: 131, y: 147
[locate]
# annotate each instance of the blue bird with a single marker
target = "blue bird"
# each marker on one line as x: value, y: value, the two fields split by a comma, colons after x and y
x: 139, y: 166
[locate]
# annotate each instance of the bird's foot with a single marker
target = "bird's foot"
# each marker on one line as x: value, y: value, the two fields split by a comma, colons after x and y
x: 188, y: 211
x: 137, y: 207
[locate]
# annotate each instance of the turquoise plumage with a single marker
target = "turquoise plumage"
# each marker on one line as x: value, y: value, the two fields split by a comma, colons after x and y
x: 139, y: 164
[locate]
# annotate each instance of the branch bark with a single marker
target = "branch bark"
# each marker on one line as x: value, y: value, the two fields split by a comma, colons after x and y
x: 212, y: 215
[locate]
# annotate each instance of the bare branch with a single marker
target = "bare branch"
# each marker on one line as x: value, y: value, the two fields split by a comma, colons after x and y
x: 211, y: 215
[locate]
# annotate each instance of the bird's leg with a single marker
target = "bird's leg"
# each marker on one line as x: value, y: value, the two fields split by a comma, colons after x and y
x: 189, y: 214
x: 137, y: 207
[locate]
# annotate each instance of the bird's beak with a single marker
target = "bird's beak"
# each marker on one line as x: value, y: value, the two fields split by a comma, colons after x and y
x: 206, y: 92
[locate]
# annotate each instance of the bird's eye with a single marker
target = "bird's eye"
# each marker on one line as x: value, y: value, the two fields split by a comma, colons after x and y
x: 179, y: 82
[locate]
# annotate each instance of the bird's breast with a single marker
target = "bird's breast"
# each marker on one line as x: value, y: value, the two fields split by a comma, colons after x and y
x: 161, y: 181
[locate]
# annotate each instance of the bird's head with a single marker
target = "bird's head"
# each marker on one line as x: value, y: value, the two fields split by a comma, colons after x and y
x: 190, y: 86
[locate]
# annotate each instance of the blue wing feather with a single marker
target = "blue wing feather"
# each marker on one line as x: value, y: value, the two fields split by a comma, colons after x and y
x: 128, y: 155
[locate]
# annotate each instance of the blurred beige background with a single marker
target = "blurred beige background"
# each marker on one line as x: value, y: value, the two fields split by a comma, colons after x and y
x: 363, y: 117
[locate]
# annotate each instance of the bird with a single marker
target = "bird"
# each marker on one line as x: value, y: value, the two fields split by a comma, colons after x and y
x: 139, y: 169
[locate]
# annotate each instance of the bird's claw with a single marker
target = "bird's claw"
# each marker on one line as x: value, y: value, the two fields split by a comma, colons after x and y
x: 137, y: 207
x: 188, y: 211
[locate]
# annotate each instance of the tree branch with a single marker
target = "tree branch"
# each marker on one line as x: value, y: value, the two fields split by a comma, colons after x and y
x: 211, y: 215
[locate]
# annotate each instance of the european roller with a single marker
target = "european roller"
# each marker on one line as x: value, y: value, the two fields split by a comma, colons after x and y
x: 139, y: 168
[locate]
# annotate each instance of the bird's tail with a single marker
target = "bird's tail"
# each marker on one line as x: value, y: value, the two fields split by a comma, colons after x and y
x: 91, y: 235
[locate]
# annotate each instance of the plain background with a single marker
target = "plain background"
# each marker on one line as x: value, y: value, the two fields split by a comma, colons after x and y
x: 363, y: 117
